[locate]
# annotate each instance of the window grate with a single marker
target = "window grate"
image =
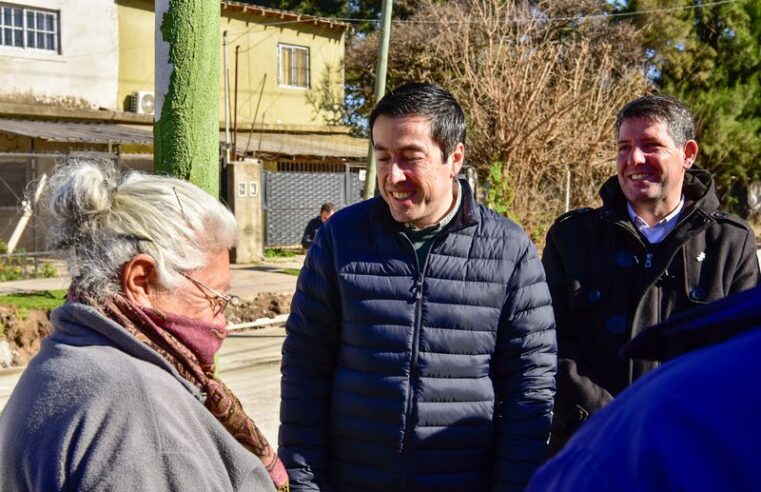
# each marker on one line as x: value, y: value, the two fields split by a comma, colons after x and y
x: 293, y: 66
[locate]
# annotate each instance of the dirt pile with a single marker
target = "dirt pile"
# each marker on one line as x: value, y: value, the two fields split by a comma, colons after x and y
x: 261, y: 306
x: 23, y: 329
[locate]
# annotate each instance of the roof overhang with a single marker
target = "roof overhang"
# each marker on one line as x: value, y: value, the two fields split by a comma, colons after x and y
x: 284, y: 15
x: 261, y: 144
x: 70, y: 132
x: 312, y: 145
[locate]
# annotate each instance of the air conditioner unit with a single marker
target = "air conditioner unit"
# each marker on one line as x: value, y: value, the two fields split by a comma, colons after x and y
x: 142, y: 102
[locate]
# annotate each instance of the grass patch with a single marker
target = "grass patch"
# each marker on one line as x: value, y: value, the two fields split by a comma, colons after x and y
x: 279, y: 253
x: 46, y: 299
x: 292, y: 271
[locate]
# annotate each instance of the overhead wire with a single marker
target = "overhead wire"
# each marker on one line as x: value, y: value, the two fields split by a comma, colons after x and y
x: 605, y: 15
x: 310, y: 19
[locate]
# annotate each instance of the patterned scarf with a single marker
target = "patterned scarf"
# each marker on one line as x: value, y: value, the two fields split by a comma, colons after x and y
x: 149, y: 326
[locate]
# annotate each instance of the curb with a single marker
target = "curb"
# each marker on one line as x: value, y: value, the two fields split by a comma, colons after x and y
x: 9, y: 371
x: 261, y: 322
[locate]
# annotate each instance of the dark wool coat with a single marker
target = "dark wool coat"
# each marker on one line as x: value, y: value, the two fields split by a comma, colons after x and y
x: 608, y: 283
x: 397, y: 380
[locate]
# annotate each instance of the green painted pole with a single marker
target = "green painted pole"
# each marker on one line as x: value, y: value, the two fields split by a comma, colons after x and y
x: 186, y: 126
x: 380, y: 90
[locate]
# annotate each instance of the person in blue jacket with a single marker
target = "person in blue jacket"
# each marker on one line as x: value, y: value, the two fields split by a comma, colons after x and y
x: 420, y: 348
x: 689, y: 425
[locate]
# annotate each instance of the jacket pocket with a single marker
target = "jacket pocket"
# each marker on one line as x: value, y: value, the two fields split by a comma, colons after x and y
x: 702, y: 283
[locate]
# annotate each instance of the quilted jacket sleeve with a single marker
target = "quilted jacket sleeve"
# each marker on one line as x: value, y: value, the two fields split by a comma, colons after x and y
x: 525, y: 373
x: 309, y: 358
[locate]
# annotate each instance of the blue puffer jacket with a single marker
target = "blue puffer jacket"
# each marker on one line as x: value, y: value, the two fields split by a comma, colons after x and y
x: 395, y: 380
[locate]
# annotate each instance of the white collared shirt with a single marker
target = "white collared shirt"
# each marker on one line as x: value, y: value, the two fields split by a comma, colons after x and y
x: 655, y: 233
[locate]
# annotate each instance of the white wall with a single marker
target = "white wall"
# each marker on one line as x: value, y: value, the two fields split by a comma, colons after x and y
x: 85, y: 71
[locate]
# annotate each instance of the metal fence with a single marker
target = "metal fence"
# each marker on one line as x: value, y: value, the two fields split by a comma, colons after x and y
x: 291, y: 199
x: 18, y: 174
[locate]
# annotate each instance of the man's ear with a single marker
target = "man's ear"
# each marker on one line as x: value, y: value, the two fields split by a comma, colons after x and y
x: 138, y: 280
x: 690, y: 151
x: 458, y: 158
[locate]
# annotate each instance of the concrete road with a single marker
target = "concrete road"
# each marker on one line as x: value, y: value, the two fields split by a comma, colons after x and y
x: 8, y: 380
x: 249, y: 365
x: 247, y: 280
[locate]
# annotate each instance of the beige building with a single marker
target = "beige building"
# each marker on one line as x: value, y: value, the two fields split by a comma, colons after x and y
x: 66, y: 86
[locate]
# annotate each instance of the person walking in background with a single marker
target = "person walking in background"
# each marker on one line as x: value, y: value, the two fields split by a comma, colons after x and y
x: 420, y: 348
x: 657, y: 246
x: 687, y: 426
x: 326, y: 210
x: 122, y: 395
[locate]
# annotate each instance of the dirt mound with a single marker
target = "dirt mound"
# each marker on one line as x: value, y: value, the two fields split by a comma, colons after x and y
x: 261, y: 306
x: 23, y: 329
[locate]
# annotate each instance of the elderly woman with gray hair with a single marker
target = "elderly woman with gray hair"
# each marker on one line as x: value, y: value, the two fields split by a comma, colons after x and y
x: 122, y: 395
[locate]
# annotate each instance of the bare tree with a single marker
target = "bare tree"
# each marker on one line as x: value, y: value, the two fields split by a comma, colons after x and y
x: 540, y: 84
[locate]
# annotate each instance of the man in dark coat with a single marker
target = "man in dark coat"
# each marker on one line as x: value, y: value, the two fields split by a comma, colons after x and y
x: 657, y: 246
x: 310, y: 232
x: 688, y: 426
x: 420, y: 349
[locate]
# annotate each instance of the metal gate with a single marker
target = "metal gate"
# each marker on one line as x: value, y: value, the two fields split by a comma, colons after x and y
x: 291, y: 199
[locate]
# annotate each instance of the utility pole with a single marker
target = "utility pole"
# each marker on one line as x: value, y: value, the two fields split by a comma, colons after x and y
x: 380, y: 90
x: 186, y: 121
x: 226, y: 72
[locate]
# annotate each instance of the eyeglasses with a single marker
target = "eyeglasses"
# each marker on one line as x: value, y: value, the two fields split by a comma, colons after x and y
x: 218, y: 300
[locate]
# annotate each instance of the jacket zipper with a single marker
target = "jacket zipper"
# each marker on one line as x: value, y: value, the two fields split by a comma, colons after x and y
x: 418, y: 292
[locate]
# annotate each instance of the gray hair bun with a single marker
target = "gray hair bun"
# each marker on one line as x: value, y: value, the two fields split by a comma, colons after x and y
x: 77, y: 198
x: 99, y: 219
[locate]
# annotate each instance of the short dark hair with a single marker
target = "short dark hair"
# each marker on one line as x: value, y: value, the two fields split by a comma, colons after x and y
x: 431, y: 102
x: 680, y: 123
x: 327, y: 207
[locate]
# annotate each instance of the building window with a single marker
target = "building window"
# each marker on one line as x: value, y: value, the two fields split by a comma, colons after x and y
x: 24, y: 27
x: 294, y: 66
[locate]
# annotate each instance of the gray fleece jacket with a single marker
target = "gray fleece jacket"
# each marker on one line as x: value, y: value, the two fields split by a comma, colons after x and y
x: 98, y: 410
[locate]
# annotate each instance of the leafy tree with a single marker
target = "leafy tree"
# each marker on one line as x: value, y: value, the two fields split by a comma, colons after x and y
x: 710, y: 57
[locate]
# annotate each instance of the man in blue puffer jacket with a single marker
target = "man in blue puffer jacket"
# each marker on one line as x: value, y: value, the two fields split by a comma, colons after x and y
x: 420, y: 349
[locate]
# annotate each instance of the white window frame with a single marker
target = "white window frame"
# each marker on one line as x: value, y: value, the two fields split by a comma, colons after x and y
x: 40, y: 29
x: 292, y: 48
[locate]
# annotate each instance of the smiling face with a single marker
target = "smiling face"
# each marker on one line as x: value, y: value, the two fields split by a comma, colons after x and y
x: 651, y: 166
x: 413, y: 178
